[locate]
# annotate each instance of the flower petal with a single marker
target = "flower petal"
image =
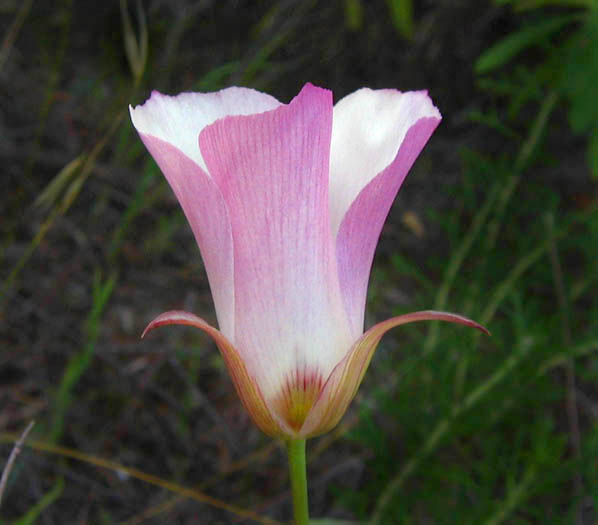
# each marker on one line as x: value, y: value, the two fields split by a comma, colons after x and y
x: 369, y: 127
x: 180, y: 119
x: 377, y: 136
x: 342, y: 385
x: 207, y: 215
x: 248, y: 390
x: 169, y: 127
x: 272, y: 170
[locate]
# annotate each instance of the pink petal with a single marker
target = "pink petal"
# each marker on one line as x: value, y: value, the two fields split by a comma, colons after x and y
x: 376, y: 138
x: 342, y: 385
x: 180, y: 119
x: 248, y: 390
x: 272, y: 170
x: 207, y: 215
x: 170, y: 127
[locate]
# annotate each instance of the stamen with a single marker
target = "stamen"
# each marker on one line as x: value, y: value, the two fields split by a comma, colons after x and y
x: 298, y: 394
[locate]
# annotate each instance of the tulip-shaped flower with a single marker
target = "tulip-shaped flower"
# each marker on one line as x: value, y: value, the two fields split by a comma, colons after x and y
x: 287, y: 203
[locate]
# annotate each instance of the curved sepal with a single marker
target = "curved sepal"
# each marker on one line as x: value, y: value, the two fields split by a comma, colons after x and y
x: 246, y: 387
x: 342, y: 385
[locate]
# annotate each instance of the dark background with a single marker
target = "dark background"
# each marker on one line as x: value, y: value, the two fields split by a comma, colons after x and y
x: 497, y: 220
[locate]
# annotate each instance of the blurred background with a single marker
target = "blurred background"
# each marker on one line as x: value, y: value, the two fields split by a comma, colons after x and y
x: 497, y: 220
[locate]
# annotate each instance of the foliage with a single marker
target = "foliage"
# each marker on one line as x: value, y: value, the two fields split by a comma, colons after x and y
x: 569, y: 65
x: 492, y: 407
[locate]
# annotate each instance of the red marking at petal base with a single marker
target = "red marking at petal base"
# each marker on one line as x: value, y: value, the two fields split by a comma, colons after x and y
x: 300, y: 391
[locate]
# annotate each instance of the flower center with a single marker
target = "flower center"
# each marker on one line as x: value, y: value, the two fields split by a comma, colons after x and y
x: 299, y: 393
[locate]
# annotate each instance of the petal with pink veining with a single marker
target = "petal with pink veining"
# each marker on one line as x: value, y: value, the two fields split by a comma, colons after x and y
x: 207, y: 215
x: 180, y: 119
x: 272, y: 170
x: 377, y: 136
x: 170, y: 127
x: 342, y: 385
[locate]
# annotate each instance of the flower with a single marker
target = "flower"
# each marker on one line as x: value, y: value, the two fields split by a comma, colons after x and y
x: 286, y: 202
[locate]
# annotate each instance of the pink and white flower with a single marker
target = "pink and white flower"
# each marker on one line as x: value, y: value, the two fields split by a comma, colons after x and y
x: 286, y: 202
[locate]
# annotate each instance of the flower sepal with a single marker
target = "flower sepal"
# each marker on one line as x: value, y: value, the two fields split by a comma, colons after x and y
x: 246, y: 387
x: 307, y: 405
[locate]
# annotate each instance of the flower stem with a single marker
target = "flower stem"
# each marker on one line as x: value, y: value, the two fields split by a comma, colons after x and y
x: 298, y: 475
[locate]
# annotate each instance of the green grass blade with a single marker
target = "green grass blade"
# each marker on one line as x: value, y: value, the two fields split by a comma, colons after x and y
x: 512, y: 45
x: 401, y: 14
x: 48, y: 498
x: 80, y: 362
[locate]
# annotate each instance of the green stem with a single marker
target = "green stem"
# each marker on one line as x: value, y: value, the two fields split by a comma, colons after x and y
x: 297, y: 472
